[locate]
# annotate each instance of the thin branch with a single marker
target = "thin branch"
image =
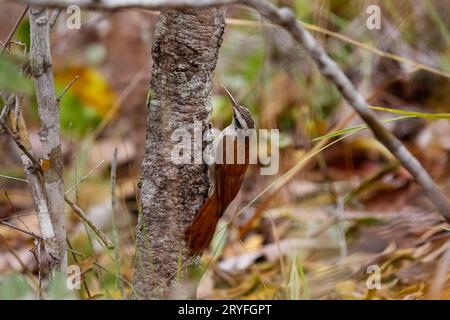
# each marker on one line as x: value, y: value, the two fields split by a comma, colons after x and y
x: 77, y: 253
x: 84, y: 178
x: 52, y: 161
x: 14, y: 29
x: 34, y: 180
x: 54, y: 17
x: 13, y: 178
x: 33, y: 171
x: 80, y: 214
x: 132, y: 287
x: 22, y: 264
x: 67, y: 87
x: 22, y: 147
x: 16, y: 213
x: 13, y: 226
x: 74, y: 256
x: 114, y: 226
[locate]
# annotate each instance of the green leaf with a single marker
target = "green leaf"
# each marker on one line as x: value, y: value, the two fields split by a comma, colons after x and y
x: 294, y: 281
x: 297, y: 281
x: 354, y: 129
x: 405, y: 115
x: 424, y: 115
x: 11, y: 79
x: 23, y: 32
x: 341, y: 132
x: 14, y: 287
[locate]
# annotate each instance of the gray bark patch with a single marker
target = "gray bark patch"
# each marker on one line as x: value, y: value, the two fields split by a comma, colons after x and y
x: 185, y: 51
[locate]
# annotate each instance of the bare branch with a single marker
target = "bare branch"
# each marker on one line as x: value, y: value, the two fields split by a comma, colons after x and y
x: 80, y: 214
x: 32, y: 171
x: 13, y: 226
x: 22, y: 147
x: 52, y: 163
x: 13, y: 178
x: 113, y: 214
x: 84, y: 178
x: 54, y: 17
x: 74, y: 256
x: 67, y: 88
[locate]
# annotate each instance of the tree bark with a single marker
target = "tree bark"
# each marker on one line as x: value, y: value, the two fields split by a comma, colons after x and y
x: 185, y: 51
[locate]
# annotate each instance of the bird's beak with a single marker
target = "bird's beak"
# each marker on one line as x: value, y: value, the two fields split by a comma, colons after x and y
x: 230, y: 96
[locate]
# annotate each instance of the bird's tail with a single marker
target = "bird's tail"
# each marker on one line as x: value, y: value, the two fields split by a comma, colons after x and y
x: 201, y: 230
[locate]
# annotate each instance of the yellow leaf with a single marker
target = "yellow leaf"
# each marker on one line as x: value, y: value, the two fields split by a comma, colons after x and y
x: 91, y: 88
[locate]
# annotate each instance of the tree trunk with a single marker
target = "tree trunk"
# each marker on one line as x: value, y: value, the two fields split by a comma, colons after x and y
x: 185, y: 51
x: 52, y: 161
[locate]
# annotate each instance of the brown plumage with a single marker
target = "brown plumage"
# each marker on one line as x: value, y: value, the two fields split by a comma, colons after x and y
x: 228, y: 181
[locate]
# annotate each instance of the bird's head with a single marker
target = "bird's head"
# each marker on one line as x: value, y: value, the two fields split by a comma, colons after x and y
x: 242, y: 118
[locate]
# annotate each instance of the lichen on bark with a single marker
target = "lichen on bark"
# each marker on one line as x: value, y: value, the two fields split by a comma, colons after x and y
x: 185, y: 52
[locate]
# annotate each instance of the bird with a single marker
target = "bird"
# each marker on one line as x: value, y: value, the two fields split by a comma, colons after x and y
x: 226, y: 179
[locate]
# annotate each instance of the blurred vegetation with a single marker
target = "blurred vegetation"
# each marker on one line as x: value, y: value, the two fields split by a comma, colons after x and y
x: 309, y: 234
